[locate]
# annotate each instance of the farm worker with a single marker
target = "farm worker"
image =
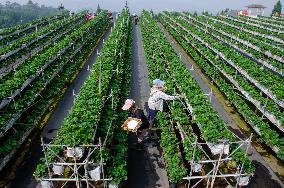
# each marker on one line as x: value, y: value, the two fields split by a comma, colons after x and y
x: 136, y: 19
x: 135, y: 112
x: 155, y: 101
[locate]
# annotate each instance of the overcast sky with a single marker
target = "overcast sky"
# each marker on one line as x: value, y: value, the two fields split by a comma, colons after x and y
x: 157, y: 5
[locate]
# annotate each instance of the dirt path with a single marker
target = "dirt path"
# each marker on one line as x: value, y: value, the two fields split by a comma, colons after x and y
x: 146, y: 168
x: 22, y: 175
x: 264, y: 176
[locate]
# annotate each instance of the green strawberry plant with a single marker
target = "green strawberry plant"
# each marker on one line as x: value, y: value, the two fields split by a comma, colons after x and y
x: 89, y: 106
x: 271, y: 105
x: 29, y: 95
x: 16, y: 32
x: 47, y: 39
x: 204, y: 58
x: 213, y: 129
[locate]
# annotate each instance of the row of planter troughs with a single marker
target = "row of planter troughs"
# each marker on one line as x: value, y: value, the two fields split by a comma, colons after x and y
x: 96, y: 114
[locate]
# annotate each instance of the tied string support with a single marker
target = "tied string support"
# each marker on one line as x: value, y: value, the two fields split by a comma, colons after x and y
x: 106, y: 98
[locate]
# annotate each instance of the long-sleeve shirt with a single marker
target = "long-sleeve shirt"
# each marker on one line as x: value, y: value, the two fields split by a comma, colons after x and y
x: 156, y: 99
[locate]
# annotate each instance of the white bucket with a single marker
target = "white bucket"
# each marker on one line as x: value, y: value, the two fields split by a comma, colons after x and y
x: 244, y: 180
x: 96, y: 173
x: 112, y: 185
x: 196, y: 167
x: 45, y: 184
x: 78, y: 152
x: 217, y: 148
x: 58, y: 169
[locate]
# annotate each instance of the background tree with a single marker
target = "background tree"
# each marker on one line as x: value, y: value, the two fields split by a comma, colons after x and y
x: 12, y: 14
x: 98, y: 9
x: 277, y: 9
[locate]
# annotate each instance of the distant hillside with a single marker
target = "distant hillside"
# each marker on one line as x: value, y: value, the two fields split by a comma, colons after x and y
x: 12, y: 14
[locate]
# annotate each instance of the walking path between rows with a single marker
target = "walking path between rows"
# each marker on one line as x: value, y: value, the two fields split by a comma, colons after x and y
x: 146, y: 168
x: 264, y: 176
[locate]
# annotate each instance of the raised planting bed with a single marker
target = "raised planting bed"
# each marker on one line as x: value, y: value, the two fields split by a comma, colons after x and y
x: 88, y: 116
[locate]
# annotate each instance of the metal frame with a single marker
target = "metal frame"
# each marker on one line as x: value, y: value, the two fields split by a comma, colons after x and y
x: 214, y: 173
x: 75, y: 164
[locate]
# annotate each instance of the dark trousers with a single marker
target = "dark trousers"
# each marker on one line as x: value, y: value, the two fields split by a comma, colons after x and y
x: 152, y: 114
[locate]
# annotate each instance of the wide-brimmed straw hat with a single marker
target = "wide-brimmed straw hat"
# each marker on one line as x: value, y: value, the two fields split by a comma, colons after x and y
x: 127, y: 104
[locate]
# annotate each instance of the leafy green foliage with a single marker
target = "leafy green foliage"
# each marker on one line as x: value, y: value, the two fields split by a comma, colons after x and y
x: 203, y: 57
x: 91, y: 109
x: 277, y: 9
x: 169, y: 67
x: 12, y: 14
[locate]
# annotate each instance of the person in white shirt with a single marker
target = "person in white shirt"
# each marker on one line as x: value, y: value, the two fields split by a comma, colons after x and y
x: 155, y: 101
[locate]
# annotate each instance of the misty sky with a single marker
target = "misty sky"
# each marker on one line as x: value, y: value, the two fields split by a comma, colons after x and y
x: 157, y: 5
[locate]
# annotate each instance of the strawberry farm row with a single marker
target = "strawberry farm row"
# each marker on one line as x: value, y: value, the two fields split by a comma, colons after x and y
x: 34, y: 30
x: 215, y: 69
x: 40, y: 77
x: 15, y: 33
x: 97, y: 107
x: 266, y: 40
x: 275, y: 20
x: 33, y: 90
x: 13, y: 61
x: 14, y: 82
x: 276, y: 29
x: 270, y: 105
x: 178, y: 149
x: 263, y: 22
x: 38, y: 98
x: 231, y: 36
x: 263, y: 44
x: 28, y: 40
x: 277, y: 36
x: 225, y: 42
x: 258, y: 78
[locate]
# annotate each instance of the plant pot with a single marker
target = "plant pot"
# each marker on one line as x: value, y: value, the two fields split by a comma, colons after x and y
x: 95, y: 173
x: 217, y: 148
x: 112, y: 185
x: 196, y: 167
x: 58, y: 169
x: 77, y: 152
x: 45, y: 184
x: 244, y: 180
